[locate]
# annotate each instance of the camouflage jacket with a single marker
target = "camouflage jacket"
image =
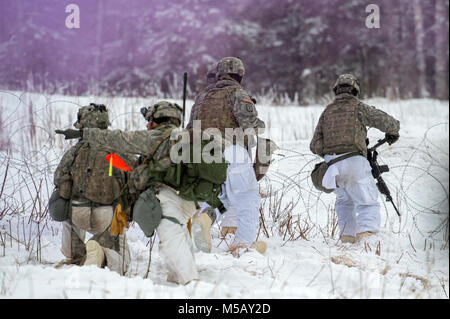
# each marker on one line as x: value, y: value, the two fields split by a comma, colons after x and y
x: 197, y: 102
x: 135, y: 142
x: 227, y: 105
x: 132, y: 142
x: 342, y: 126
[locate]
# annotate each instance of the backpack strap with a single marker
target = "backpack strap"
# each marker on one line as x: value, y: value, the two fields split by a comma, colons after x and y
x: 172, y: 219
x: 343, y: 157
x: 155, y: 147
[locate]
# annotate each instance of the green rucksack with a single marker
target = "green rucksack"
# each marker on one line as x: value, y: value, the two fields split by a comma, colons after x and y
x: 197, y: 182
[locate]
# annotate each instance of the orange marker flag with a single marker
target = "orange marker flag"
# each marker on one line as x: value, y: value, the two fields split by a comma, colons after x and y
x: 117, y: 162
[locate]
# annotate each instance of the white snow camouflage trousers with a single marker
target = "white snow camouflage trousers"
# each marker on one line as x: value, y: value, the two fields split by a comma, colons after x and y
x: 356, y: 204
x: 240, y: 195
x: 175, y: 244
x: 96, y: 221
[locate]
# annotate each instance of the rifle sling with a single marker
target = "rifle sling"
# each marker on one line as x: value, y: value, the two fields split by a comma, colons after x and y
x: 343, y: 157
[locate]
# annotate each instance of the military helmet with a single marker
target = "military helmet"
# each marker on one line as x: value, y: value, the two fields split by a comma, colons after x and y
x: 230, y: 65
x: 162, y: 110
x: 91, y: 116
x: 211, y: 73
x: 347, y: 81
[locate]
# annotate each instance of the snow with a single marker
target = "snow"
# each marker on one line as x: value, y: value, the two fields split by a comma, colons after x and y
x: 304, y: 259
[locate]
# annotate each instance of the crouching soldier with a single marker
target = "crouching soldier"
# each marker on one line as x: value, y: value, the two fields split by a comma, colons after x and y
x: 340, y: 136
x: 92, y: 195
x: 166, y: 198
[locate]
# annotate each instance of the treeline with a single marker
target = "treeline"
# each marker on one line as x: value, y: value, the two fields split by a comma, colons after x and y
x: 290, y: 48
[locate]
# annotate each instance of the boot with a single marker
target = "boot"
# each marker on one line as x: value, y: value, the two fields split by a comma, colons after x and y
x: 260, y: 246
x: 71, y: 261
x: 361, y: 236
x: 228, y: 230
x: 347, y: 239
x: 94, y: 254
x: 201, y: 227
x: 237, y: 250
x: 171, y: 277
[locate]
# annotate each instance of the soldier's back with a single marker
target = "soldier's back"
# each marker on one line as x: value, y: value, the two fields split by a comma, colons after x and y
x: 342, y: 131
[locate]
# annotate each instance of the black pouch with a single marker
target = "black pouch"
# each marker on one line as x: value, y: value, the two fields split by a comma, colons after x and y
x: 58, y: 207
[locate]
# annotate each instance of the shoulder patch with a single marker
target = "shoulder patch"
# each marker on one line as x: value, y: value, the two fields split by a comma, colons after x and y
x: 248, y: 101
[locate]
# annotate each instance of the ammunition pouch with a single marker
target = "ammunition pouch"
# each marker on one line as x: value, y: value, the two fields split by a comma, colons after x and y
x: 59, y: 207
x: 65, y: 186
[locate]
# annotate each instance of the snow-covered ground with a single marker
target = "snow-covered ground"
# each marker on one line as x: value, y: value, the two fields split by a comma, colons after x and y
x: 304, y: 259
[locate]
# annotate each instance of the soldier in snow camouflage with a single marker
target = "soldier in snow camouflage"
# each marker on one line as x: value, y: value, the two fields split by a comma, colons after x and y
x: 227, y: 107
x: 229, y: 222
x: 342, y: 129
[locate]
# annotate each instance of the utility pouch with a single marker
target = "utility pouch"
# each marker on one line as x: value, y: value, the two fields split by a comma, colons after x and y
x: 147, y: 211
x: 58, y: 207
x: 65, y: 187
x: 321, y: 168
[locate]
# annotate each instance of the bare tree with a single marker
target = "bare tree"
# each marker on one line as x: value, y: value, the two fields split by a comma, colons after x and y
x: 441, y: 62
x: 420, y: 55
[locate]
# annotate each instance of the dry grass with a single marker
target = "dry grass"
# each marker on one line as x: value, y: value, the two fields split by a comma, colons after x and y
x: 30, y: 152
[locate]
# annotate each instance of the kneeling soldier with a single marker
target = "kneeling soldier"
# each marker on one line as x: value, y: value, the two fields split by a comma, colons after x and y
x: 82, y: 179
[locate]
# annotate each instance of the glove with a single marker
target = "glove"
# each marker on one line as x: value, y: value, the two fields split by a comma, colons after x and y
x: 189, y: 227
x: 392, y: 138
x: 119, y: 221
x: 70, y: 134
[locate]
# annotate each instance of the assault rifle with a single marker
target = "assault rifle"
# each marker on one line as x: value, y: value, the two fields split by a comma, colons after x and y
x: 377, y: 170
